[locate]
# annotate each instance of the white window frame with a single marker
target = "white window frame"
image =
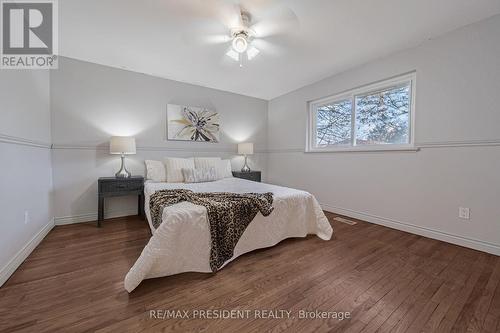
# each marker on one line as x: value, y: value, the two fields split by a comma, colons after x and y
x: 351, y: 95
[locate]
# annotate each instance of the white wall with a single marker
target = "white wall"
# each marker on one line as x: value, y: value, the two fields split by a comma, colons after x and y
x: 457, y: 126
x: 25, y: 168
x: 91, y: 102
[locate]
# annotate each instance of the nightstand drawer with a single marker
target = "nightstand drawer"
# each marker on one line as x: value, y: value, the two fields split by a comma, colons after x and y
x: 251, y: 175
x: 121, y: 186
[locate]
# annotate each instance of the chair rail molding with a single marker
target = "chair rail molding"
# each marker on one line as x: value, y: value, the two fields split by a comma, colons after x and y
x: 24, y: 142
x: 226, y: 148
x: 464, y: 143
x: 418, y: 146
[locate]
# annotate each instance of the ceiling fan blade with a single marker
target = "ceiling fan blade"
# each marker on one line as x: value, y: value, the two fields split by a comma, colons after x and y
x: 256, y: 6
x: 278, y: 21
x: 205, y: 33
x: 266, y: 46
x: 229, y: 14
x: 213, y: 39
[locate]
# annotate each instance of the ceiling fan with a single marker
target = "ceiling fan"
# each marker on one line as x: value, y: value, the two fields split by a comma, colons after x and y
x: 248, y: 23
x: 241, y: 40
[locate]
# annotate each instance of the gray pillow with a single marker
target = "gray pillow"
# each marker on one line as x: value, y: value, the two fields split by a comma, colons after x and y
x: 199, y: 175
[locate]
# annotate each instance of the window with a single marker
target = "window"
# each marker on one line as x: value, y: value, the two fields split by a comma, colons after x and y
x: 374, y: 117
x: 333, y: 123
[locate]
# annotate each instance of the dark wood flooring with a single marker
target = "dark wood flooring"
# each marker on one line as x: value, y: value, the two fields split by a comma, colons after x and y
x: 390, y: 281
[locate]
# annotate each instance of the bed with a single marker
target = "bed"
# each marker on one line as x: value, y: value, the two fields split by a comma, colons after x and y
x: 182, y: 241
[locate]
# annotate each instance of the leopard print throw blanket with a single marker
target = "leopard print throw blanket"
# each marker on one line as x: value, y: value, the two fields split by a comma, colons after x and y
x: 229, y: 214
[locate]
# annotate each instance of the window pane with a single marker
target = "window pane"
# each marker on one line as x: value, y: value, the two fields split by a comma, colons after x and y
x: 333, y: 123
x: 384, y: 117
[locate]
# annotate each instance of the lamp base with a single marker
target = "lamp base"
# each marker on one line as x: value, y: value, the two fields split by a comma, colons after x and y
x: 245, y: 168
x: 123, y: 172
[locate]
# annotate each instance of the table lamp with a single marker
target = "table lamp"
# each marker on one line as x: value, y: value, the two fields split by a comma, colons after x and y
x: 245, y: 149
x: 122, y: 145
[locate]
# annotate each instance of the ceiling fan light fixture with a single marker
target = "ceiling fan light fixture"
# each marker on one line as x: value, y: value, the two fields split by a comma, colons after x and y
x: 240, y: 43
x: 233, y: 54
x: 252, y: 52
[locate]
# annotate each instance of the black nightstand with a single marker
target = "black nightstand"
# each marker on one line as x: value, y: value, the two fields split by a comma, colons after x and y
x: 115, y: 187
x: 252, y: 175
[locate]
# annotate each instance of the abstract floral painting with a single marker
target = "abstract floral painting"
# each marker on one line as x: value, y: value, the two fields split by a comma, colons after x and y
x: 190, y: 123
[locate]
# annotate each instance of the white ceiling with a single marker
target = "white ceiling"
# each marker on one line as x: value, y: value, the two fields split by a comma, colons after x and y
x: 163, y: 38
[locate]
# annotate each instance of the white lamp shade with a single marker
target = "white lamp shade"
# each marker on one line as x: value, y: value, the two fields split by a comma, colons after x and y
x: 245, y: 148
x: 122, y: 145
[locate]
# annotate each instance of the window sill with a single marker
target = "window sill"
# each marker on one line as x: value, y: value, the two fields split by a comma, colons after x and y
x: 363, y: 149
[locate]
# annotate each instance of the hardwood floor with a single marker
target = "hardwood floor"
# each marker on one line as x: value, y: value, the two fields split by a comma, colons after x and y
x: 389, y: 281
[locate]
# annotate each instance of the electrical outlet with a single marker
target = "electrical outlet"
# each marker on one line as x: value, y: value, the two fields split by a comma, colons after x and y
x: 464, y: 213
x: 26, y: 217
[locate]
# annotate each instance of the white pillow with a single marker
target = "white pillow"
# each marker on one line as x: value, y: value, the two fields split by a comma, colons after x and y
x: 206, y: 162
x: 199, y: 175
x: 174, y: 168
x: 155, y: 171
x: 223, y: 169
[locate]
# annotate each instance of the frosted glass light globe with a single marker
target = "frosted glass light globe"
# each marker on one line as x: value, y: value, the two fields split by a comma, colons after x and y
x: 240, y: 44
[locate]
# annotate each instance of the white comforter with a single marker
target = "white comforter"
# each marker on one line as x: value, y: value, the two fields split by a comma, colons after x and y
x: 182, y: 242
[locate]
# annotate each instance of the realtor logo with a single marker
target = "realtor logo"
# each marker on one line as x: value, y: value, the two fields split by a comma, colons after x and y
x: 29, y: 34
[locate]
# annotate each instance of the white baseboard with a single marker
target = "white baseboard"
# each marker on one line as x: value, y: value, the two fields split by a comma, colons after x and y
x: 20, y: 256
x: 89, y: 217
x: 414, y: 229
